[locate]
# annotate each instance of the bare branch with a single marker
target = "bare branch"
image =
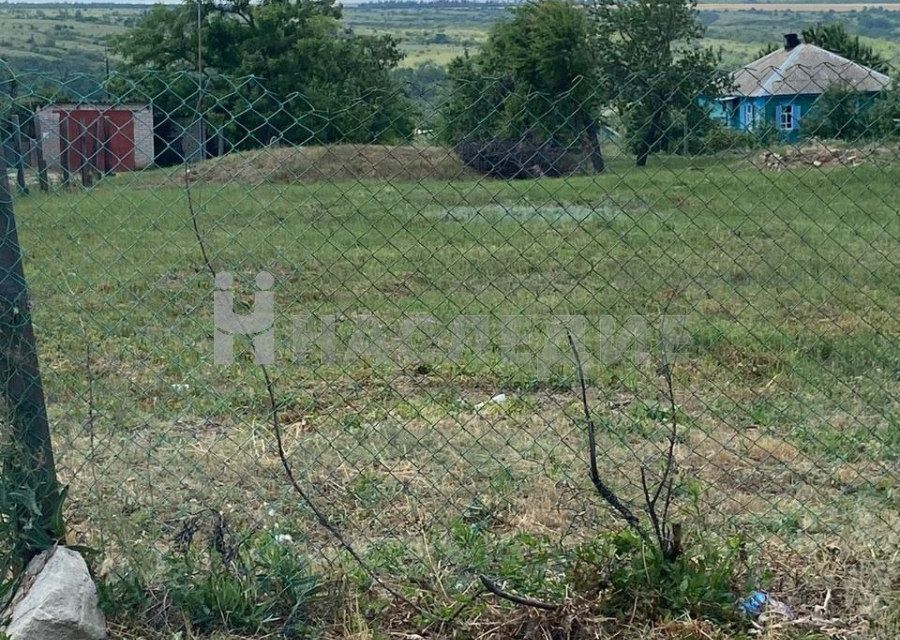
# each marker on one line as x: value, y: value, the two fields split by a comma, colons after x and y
x: 494, y: 588
x: 190, y: 203
x: 605, y: 492
x: 668, y: 473
x: 198, y: 109
x: 658, y: 529
x: 668, y: 536
x: 319, y: 514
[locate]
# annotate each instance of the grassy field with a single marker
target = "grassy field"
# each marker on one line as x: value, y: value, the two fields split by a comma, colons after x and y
x: 786, y: 386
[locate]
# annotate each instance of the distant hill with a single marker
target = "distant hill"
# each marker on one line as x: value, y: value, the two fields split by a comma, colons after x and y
x: 67, y: 39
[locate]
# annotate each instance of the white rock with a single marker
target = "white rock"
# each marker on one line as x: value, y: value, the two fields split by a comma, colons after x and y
x: 500, y: 398
x: 57, y: 600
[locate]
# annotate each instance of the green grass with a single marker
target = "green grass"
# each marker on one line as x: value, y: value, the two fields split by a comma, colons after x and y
x: 786, y: 387
x: 61, y: 39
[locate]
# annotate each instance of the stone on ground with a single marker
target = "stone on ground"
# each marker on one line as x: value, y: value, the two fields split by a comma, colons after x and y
x: 57, y: 600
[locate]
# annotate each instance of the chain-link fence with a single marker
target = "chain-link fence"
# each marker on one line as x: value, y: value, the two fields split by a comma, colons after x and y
x: 362, y: 354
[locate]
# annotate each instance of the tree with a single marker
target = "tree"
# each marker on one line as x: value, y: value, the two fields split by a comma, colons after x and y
x: 314, y: 81
x: 649, y: 56
x: 535, y: 78
x: 834, y: 37
x: 423, y: 85
x: 839, y: 113
x: 883, y: 119
x: 844, y: 114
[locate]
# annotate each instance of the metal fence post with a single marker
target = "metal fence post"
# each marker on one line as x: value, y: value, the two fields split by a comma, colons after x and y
x: 64, y: 149
x: 20, y: 378
x: 17, y: 149
x: 43, y: 180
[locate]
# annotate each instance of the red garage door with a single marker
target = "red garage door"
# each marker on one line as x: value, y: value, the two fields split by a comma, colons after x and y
x: 104, y: 139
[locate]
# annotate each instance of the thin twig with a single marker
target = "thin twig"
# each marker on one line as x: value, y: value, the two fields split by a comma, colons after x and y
x: 667, y: 536
x: 494, y: 588
x: 652, y: 513
x: 666, y: 370
x: 605, y: 492
x: 190, y: 203
x: 668, y: 473
x: 89, y: 421
x: 199, y: 107
x: 319, y: 514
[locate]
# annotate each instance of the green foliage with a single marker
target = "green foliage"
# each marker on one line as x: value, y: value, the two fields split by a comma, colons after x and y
x: 423, y: 86
x: 527, y: 562
x: 835, y: 38
x: 843, y: 114
x: 703, y: 582
x: 295, y: 48
x: 262, y: 586
x: 653, y: 69
x: 884, y: 115
x: 839, y: 113
x: 720, y: 138
x: 535, y: 77
x: 618, y: 568
x: 769, y: 47
x: 31, y: 514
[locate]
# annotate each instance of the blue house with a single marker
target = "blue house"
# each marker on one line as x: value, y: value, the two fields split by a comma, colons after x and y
x: 779, y: 88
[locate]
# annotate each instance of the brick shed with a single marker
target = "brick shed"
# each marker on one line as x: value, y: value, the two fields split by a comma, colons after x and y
x: 112, y: 137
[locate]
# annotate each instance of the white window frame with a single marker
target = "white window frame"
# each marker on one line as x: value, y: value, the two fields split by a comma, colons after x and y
x: 749, y: 115
x: 788, y: 115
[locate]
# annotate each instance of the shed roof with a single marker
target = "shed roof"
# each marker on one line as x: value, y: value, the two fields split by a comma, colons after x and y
x: 804, y: 69
x: 95, y: 106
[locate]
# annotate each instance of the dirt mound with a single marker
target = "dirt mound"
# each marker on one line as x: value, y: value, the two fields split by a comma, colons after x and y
x: 333, y: 163
x: 821, y: 155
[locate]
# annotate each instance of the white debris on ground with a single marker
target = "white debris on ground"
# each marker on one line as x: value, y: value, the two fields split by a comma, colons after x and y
x: 818, y: 155
x: 500, y: 398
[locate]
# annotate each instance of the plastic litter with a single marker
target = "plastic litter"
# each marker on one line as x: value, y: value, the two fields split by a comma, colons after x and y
x: 754, y: 604
x: 500, y: 398
x: 760, y: 602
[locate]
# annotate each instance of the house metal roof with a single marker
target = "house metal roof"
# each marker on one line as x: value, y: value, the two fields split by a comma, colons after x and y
x: 805, y: 69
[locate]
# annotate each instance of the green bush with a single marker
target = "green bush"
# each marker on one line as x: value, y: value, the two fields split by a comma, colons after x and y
x: 884, y: 115
x: 839, y: 114
x: 721, y: 138
x: 843, y: 114
x: 31, y: 512
x: 703, y: 583
x: 260, y: 587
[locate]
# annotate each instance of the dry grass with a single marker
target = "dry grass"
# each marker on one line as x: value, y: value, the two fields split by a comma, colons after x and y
x: 518, y: 466
x: 289, y: 165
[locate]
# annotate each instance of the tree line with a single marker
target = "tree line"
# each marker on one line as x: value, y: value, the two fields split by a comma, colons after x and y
x: 553, y: 75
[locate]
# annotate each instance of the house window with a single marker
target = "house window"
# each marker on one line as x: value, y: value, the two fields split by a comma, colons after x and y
x: 787, y: 119
x: 749, y: 115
